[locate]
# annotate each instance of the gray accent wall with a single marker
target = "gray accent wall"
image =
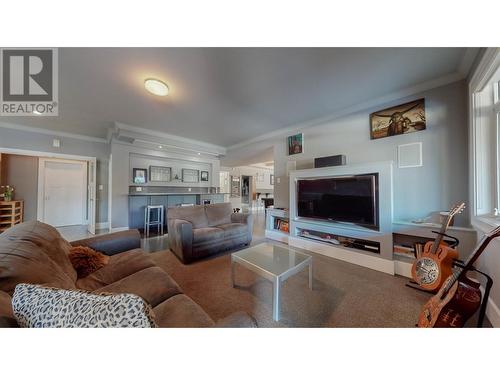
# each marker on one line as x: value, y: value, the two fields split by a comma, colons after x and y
x: 439, y: 183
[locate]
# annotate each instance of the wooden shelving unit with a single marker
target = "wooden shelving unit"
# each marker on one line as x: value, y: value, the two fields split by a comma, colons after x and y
x: 11, y: 213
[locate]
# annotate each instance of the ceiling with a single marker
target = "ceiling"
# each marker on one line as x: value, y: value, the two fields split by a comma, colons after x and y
x: 225, y: 96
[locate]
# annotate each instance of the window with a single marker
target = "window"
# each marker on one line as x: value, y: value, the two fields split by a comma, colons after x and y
x: 485, y: 150
x: 485, y: 139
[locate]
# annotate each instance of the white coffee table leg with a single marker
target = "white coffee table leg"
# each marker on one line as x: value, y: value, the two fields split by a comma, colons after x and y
x: 276, y: 299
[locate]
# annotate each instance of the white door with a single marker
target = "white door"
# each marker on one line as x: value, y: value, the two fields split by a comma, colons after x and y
x: 64, y: 192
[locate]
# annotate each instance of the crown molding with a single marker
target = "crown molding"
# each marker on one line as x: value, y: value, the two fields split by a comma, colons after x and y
x: 44, y: 154
x: 164, y: 138
x: 408, y: 91
x: 179, y: 150
x: 167, y: 138
x: 488, y: 65
x: 7, y: 125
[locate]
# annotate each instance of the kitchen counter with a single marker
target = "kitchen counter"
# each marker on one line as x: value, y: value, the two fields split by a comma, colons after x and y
x: 137, y: 202
x: 160, y: 194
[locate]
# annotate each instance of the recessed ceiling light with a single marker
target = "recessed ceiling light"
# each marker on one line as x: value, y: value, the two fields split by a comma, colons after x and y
x: 156, y: 87
x: 199, y: 153
x: 160, y: 146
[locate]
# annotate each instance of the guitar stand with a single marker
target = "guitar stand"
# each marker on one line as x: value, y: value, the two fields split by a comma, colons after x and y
x: 487, y: 289
x: 456, y: 241
x: 412, y: 284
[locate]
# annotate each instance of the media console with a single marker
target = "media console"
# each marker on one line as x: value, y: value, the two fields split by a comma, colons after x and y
x: 277, y: 224
x: 369, y: 246
x: 345, y: 241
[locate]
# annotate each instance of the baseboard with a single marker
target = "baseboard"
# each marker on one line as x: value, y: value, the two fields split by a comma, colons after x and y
x: 120, y: 229
x: 402, y: 268
x: 492, y: 311
x: 103, y: 225
x: 364, y: 260
x: 277, y: 236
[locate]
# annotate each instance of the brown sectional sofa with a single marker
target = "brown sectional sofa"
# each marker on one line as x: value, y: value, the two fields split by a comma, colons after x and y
x: 199, y: 231
x: 36, y: 253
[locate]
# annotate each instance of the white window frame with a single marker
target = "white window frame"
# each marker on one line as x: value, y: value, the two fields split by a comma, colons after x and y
x: 484, y: 166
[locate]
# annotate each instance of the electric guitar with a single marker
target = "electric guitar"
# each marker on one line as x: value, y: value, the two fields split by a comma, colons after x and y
x: 459, y: 298
x: 434, y: 265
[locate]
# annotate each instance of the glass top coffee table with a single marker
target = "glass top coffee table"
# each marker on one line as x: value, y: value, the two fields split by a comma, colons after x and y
x: 274, y: 263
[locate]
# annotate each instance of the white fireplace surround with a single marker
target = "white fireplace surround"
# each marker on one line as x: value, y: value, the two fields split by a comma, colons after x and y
x: 380, y: 262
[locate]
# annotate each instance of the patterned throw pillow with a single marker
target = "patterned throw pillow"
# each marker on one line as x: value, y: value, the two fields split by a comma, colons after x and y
x: 86, y: 260
x: 38, y: 306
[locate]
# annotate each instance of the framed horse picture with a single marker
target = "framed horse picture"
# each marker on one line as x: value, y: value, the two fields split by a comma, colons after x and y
x: 401, y: 119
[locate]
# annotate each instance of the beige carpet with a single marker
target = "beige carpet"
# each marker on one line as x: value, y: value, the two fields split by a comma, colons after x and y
x: 344, y: 295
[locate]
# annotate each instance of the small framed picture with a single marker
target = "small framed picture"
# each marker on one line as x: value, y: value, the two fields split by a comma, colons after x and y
x: 140, y: 175
x: 271, y: 177
x: 190, y: 175
x: 204, y: 176
x: 296, y: 144
x: 160, y: 174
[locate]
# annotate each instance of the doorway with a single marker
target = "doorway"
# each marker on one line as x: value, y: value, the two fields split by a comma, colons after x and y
x: 90, y: 164
x: 62, y: 192
x: 247, y: 190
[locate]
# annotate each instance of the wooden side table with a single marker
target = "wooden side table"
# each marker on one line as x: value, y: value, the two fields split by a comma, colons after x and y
x: 11, y: 213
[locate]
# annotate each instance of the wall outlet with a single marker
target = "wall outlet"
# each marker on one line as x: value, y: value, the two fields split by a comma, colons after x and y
x: 278, y: 180
x: 138, y: 188
x: 189, y: 189
x: 101, y: 187
x: 56, y: 143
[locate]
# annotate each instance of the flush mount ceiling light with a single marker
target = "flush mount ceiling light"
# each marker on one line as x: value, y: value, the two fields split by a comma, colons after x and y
x: 156, y: 87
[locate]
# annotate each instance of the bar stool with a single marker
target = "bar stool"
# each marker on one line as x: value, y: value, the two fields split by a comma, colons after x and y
x: 158, y: 215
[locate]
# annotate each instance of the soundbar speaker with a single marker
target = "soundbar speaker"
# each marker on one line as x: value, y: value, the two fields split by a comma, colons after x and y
x: 329, y: 161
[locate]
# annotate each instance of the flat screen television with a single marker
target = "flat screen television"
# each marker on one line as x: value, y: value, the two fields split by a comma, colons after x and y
x: 343, y: 199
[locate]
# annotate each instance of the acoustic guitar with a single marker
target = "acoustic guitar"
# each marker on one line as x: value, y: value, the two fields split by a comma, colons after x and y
x: 459, y: 298
x: 434, y: 264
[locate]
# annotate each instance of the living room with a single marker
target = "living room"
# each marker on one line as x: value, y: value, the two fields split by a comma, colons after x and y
x: 234, y: 184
